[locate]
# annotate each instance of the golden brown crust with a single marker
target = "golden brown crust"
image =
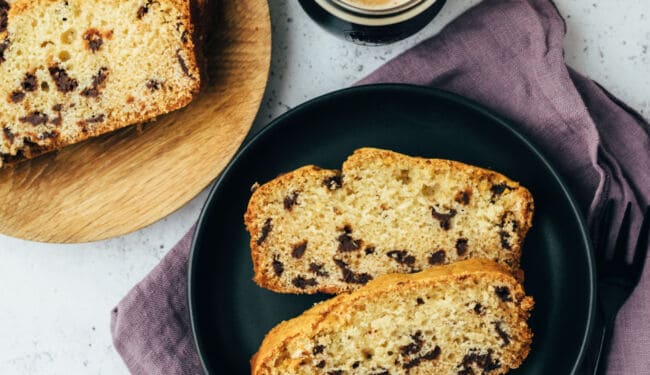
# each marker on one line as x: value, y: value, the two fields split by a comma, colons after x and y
x: 20, y: 140
x: 360, y: 176
x: 332, y: 315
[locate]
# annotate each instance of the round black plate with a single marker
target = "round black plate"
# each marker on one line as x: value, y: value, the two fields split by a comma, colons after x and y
x: 230, y: 314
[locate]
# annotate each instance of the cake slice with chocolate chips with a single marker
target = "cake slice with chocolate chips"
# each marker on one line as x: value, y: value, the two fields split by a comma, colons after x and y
x: 465, y: 318
x: 74, y: 69
x: 317, y: 230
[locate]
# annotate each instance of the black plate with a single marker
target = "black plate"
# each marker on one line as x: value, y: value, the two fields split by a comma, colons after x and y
x: 230, y: 314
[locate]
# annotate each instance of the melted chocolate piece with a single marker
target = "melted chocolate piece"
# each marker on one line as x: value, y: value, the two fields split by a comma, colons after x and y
x: 182, y: 63
x: 401, y: 257
x: 437, y: 257
x: 29, y: 83
x: 351, y: 277
x: 4, y: 9
x: 93, y: 39
x: 346, y: 243
x: 318, y: 349
x: 317, y: 268
x: 291, y: 200
x: 369, y: 250
x: 3, y: 47
x: 419, y: 301
x: 504, y: 236
x: 463, y: 197
x: 503, y: 292
x: 497, y: 190
x: 8, y: 134
x: 478, y: 308
x: 482, y: 361
x: 266, y: 229
x: 144, y: 9
x: 35, y: 118
x: 302, y: 283
x: 335, y: 372
x: 48, y: 135
x: 63, y: 81
x: 502, y: 334
x: 429, y: 356
x: 278, y: 267
x: 413, y: 347
x: 299, y: 250
x: 98, y: 80
x: 153, y: 85
x: 321, y: 364
x: 333, y: 182
x: 95, y: 119
x: 461, y: 246
x: 17, y: 96
x: 444, y: 219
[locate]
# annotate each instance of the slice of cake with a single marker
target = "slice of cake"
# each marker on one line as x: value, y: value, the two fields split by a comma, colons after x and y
x: 73, y: 69
x: 465, y: 318
x: 317, y: 230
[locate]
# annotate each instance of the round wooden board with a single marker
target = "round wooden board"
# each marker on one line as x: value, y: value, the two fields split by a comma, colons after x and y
x: 123, y: 181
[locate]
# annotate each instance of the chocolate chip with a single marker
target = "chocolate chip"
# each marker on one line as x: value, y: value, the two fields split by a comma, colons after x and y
x: 497, y: 190
x: 369, y: 250
x: 429, y: 356
x: 266, y: 229
x: 57, y: 107
x: 302, y: 283
x: 3, y: 47
x: 333, y: 182
x: 184, y: 36
x: 4, y: 9
x: 502, y: 334
x: 7, y: 158
x: 503, y: 292
x: 320, y: 364
x: 335, y: 372
x: 153, y: 85
x: 356, y: 364
x: 478, y: 308
x: 318, y: 349
x: 291, y: 200
x: 346, y: 243
x: 461, y: 246
x: 35, y: 118
x: 401, y: 257
x: 97, y: 83
x: 278, y: 267
x: 483, y: 361
x: 144, y: 9
x: 299, y: 250
x: 437, y: 257
x: 93, y: 39
x: 349, y: 276
x: 95, y: 119
x: 463, y: 197
x: 48, y: 135
x: 17, y: 96
x: 384, y: 372
x: 182, y: 63
x: 444, y: 219
x: 317, y: 268
x: 419, y: 301
x: 8, y: 134
x: 29, y: 83
x: 63, y: 82
x: 504, y: 236
x: 413, y: 347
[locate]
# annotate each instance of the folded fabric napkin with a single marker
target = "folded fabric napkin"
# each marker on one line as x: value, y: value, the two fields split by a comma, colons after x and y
x: 508, y: 56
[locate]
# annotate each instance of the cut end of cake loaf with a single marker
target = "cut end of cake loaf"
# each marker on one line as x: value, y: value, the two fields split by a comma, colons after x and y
x: 73, y: 69
x: 465, y: 318
x: 317, y: 230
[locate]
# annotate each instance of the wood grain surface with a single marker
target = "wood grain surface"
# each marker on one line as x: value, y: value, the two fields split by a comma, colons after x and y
x: 123, y: 181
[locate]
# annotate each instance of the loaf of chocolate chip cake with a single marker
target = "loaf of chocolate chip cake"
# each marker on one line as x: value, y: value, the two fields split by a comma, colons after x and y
x: 74, y: 69
x: 318, y: 230
x: 469, y: 317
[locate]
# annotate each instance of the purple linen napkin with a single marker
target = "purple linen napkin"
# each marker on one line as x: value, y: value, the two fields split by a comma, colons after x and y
x: 507, y: 55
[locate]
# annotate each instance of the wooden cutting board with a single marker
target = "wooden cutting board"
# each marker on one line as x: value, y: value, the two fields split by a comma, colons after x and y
x: 121, y: 182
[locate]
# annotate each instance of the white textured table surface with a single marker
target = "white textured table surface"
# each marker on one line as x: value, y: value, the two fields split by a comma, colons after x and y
x: 55, y: 300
